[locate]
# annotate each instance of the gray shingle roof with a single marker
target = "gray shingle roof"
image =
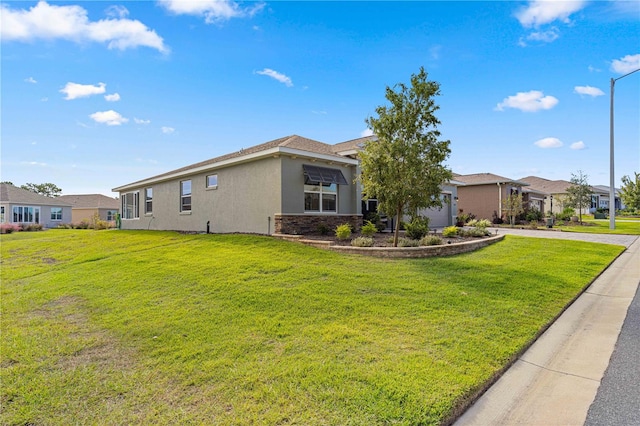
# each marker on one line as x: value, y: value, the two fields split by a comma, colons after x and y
x: 91, y: 201
x: 14, y: 195
x: 486, y: 179
x: 546, y: 185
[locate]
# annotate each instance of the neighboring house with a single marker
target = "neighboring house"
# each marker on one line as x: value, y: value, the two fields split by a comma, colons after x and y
x: 556, y: 191
x: 85, y: 207
x: 604, y: 196
x: 291, y: 185
x: 19, y: 205
x: 483, y: 193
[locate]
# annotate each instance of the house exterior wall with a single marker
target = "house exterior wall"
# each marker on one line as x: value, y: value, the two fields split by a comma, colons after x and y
x: 483, y: 200
x: 246, y: 196
x: 45, y: 214
x: 86, y: 214
x: 447, y: 214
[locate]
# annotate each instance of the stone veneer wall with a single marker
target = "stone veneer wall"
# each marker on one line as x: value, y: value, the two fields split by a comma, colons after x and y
x: 305, y: 224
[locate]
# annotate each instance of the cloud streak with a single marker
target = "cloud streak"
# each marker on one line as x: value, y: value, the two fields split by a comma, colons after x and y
x: 548, y: 143
x: 110, y: 118
x: 213, y: 11
x: 588, y: 91
x: 75, y: 90
x: 50, y: 22
x: 276, y: 76
x: 626, y: 64
x: 541, y: 12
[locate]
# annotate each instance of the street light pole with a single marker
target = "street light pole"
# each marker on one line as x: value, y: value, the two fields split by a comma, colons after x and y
x: 612, y: 190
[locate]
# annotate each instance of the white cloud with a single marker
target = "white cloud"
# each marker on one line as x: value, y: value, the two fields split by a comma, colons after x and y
x: 277, y: 76
x: 117, y: 11
x: 578, y: 145
x: 588, y: 90
x: 112, y: 98
x: 540, y: 12
x: 626, y: 64
x: 75, y: 90
x: 30, y: 80
x: 366, y: 132
x: 141, y: 121
x: 167, y: 130
x: 548, y: 143
x: 319, y: 112
x: 33, y: 163
x: 531, y: 101
x: 213, y: 11
x: 593, y: 69
x: 110, y: 118
x: 544, y: 36
x: 49, y: 22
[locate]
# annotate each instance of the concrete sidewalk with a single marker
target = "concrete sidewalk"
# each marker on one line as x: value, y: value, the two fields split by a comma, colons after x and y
x: 556, y: 380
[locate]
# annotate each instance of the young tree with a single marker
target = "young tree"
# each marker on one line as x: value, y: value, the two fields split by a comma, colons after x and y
x: 630, y: 191
x: 579, y: 193
x: 404, y: 168
x: 46, y: 189
x: 512, y: 207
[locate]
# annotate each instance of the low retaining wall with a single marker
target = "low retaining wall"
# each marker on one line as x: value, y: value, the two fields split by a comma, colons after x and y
x: 400, y: 252
x: 300, y: 224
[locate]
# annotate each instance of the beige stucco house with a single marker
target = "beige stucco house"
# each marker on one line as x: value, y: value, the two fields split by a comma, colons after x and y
x: 557, y: 194
x: 86, y: 206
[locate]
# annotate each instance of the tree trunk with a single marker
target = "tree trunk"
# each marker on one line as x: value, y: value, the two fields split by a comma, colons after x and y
x: 397, y: 230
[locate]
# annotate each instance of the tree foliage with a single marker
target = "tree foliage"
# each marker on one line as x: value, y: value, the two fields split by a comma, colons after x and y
x: 579, y: 192
x: 630, y: 191
x: 46, y: 189
x: 403, y: 169
x: 512, y: 207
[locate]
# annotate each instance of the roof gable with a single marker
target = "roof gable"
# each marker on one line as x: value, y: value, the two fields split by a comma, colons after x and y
x: 14, y: 195
x: 91, y: 201
x: 486, y: 179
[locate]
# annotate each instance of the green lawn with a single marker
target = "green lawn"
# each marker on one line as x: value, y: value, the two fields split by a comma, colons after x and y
x: 134, y: 327
x: 629, y: 226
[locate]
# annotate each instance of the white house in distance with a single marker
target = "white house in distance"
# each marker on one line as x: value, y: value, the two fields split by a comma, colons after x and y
x: 20, y: 206
x: 291, y: 185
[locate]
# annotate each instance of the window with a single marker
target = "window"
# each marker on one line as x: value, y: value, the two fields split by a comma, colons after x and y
x: 130, y: 203
x: 1, y: 214
x: 320, y: 197
x: 56, y: 213
x: 111, y: 214
x: 594, y: 201
x: 25, y: 214
x: 185, y: 196
x: 148, y: 200
x: 212, y: 181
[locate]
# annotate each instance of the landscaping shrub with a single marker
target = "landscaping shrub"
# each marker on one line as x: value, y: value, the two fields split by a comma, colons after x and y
x: 482, y: 223
x: 450, y: 231
x: 533, y: 215
x: 567, y: 213
x: 473, y: 232
x: 408, y: 242
x: 32, y: 227
x: 368, y: 229
x: 343, y: 232
x: 84, y: 224
x: 495, y: 219
x: 8, y: 228
x: 362, y: 241
x: 417, y: 228
x: 431, y: 240
x: 323, y: 229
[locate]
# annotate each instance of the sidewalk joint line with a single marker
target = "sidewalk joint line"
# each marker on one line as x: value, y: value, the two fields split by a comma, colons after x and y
x: 608, y: 295
x: 557, y: 371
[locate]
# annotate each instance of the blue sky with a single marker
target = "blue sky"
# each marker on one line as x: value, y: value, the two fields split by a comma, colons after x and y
x: 100, y: 94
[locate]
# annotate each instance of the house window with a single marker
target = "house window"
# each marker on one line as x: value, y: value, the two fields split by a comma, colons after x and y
x: 148, y: 200
x: 320, y: 197
x: 56, y: 213
x: 26, y: 214
x: 185, y: 196
x: 594, y: 201
x: 130, y: 202
x: 1, y: 214
x: 212, y: 181
x: 111, y: 214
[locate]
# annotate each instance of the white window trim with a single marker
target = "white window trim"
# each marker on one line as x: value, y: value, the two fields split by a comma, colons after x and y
x: 321, y: 211
x: 148, y: 212
x: 136, y: 206
x: 61, y: 214
x: 211, y: 187
x: 190, y: 195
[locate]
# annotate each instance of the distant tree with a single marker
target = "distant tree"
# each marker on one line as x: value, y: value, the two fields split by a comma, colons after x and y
x: 46, y: 189
x: 7, y: 182
x: 579, y: 192
x: 404, y: 168
x: 512, y: 207
x: 630, y: 191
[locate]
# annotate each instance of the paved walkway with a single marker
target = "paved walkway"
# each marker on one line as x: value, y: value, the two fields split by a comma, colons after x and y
x: 556, y: 380
x: 623, y: 240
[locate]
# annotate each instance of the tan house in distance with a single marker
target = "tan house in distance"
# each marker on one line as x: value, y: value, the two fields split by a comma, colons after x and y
x: 483, y: 193
x: 84, y: 207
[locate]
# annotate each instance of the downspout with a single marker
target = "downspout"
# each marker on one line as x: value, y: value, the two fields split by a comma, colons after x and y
x: 499, y: 200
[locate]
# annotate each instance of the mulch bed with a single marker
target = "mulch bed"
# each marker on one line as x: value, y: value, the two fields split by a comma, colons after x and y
x: 383, y: 239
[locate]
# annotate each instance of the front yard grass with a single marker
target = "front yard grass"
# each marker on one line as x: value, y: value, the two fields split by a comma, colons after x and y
x: 601, y: 226
x: 134, y: 327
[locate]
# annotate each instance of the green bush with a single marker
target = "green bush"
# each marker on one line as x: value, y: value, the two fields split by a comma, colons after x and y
x: 431, y: 240
x: 368, y: 229
x: 408, y: 242
x: 323, y: 229
x: 483, y: 223
x: 450, y: 231
x: 8, y: 228
x: 567, y: 213
x: 343, y: 232
x: 473, y: 232
x: 533, y: 215
x: 362, y: 242
x: 417, y: 228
